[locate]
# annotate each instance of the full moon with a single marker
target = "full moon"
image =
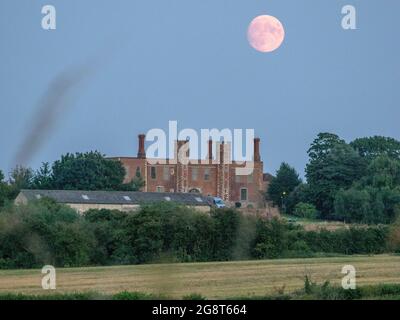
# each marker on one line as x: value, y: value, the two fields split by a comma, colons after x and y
x: 265, y: 33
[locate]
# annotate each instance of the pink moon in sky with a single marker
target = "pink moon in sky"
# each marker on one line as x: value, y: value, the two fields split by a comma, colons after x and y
x: 265, y: 33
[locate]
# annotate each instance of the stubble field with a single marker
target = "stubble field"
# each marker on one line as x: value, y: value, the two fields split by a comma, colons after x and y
x: 212, y: 280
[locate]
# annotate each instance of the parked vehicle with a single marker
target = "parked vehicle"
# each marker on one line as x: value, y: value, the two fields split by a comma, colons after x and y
x: 218, y: 202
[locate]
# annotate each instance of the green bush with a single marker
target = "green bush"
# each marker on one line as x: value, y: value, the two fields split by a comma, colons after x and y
x: 305, y: 210
x: 325, y: 291
x: 126, y: 295
x: 194, y: 296
x: 44, y: 232
x: 53, y: 296
x: 394, y: 236
x: 41, y: 233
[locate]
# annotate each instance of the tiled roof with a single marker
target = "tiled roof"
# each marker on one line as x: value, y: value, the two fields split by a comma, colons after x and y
x: 115, y: 197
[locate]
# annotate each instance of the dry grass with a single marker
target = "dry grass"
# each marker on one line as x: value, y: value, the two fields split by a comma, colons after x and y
x: 329, y: 225
x: 316, y: 224
x: 213, y: 280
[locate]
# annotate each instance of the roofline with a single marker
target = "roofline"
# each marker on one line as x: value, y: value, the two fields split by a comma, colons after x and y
x: 166, y: 161
x: 113, y: 191
x: 161, y: 194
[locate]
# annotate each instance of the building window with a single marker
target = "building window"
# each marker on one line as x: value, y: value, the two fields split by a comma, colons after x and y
x: 238, y: 178
x: 159, y: 189
x: 243, y: 194
x: 166, y: 173
x: 250, y: 178
x: 206, y: 174
x: 153, y: 172
x: 195, y: 173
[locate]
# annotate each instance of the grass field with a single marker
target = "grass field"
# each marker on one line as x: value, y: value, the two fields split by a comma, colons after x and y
x: 317, y: 224
x: 212, y: 280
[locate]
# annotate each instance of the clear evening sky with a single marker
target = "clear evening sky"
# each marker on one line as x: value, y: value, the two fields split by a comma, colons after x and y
x: 189, y: 60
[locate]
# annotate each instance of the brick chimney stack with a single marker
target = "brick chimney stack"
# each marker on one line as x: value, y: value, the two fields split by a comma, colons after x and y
x: 141, y: 152
x: 224, y: 152
x: 210, y: 147
x: 221, y: 152
x: 257, y: 149
x: 183, y: 144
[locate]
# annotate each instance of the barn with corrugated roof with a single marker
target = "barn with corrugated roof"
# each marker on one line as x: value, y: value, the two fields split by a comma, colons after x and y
x: 114, y: 200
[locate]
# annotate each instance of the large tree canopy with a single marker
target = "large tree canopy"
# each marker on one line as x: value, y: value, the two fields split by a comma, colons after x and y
x: 323, y: 145
x: 79, y: 171
x: 333, y: 165
x: 375, y: 198
x: 372, y: 147
x: 285, y: 181
x: 382, y: 172
x: 87, y: 171
x: 84, y: 171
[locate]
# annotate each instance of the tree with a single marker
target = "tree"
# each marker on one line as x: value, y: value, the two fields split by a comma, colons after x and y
x: 375, y: 198
x: 271, y: 240
x: 323, y: 145
x: 353, y: 205
x: 333, y: 165
x: 84, y: 171
x: 300, y: 194
x: 3, y: 190
x: 285, y: 181
x: 87, y: 171
x: 145, y: 234
x: 382, y: 181
x: 112, y: 240
x: 20, y: 178
x: 43, y: 178
x: 136, y: 183
x: 382, y: 171
x: 372, y: 147
x: 44, y: 232
x: 394, y: 236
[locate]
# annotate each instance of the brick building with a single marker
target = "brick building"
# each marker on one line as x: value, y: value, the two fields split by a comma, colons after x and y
x: 215, y: 176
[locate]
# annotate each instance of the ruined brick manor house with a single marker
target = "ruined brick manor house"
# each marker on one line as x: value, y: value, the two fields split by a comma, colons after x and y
x: 210, y: 178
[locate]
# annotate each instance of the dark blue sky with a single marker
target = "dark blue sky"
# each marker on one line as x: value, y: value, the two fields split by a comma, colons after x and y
x: 187, y: 60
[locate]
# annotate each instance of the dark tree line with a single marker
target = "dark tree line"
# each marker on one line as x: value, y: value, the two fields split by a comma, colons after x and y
x: 79, y: 171
x: 44, y: 232
x: 358, y: 182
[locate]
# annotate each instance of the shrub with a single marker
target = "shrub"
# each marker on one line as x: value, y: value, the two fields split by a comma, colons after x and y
x: 126, y: 295
x: 305, y: 210
x: 194, y: 296
x: 328, y: 292
x: 271, y: 240
x: 43, y: 232
x: 394, y: 237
